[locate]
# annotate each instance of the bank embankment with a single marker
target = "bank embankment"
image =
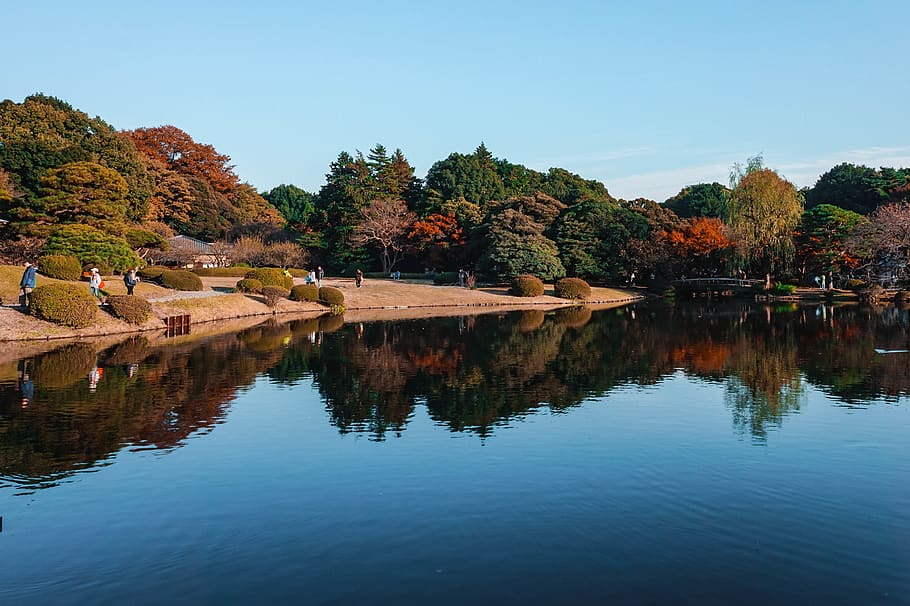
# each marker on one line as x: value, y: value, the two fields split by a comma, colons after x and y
x: 376, y: 299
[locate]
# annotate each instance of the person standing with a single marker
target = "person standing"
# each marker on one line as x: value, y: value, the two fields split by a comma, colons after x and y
x: 320, y: 274
x: 130, y: 280
x: 27, y: 283
x: 358, y: 278
x: 94, y: 283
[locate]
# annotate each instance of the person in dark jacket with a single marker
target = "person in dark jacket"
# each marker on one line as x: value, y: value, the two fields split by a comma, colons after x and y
x: 130, y: 279
x: 27, y: 283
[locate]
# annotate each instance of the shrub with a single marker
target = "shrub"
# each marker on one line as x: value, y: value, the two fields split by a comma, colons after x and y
x: 130, y: 308
x: 526, y: 285
x: 783, y: 289
x: 271, y: 276
x: 274, y: 294
x: 448, y: 277
x: 249, y: 285
x: 220, y: 272
x: 331, y: 323
x: 572, y: 288
x: 305, y: 292
x: 530, y: 320
x: 152, y: 272
x: 62, y: 267
x: 103, y: 268
x: 854, y: 284
x: 66, y: 304
x: 180, y: 279
x: 331, y: 296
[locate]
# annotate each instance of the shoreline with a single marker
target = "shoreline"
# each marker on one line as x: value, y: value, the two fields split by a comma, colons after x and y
x: 378, y: 299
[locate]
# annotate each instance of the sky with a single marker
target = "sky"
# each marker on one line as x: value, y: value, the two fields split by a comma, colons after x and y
x: 647, y: 96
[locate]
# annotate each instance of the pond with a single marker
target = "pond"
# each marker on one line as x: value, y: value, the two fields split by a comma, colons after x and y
x: 700, y: 453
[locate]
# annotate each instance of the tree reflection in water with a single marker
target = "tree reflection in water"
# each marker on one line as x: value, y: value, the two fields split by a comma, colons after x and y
x: 472, y: 373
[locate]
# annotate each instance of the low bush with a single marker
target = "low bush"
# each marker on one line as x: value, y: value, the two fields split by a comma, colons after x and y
x: 271, y: 276
x: 783, y: 289
x: 130, y: 308
x: 180, y: 279
x: 572, y: 288
x: 447, y: 277
x: 152, y: 272
x: 331, y: 296
x: 65, y: 304
x: 61, y: 267
x: 248, y: 285
x: 274, y: 294
x: 526, y: 285
x: 221, y: 272
x: 305, y: 292
x: 853, y: 284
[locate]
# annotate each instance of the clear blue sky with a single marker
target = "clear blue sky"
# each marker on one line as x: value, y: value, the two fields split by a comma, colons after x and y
x: 645, y: 96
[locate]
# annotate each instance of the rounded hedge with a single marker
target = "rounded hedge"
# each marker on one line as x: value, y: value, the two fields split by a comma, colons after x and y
x: 305, y: 292
x: 526, y: 285
x: 331, y: 296
x: 248, y: 285
x: 271, y: 276
x: 180, y: 279
x: 152, y: 272
x: 572, y: 288
x: 274, y: 294
x: 65, y: 304
x: 61, y: 267
x: 130, y: 308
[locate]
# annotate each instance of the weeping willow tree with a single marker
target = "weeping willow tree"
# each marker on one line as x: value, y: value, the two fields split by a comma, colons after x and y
x: 763, y: 211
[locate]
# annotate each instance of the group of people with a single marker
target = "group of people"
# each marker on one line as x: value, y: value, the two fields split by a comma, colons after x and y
x: 315, y: 276
x: 95, y: 282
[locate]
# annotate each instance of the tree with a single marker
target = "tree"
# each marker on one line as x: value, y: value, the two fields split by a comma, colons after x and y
x: 885, y: 242
x: 763, y: 211
x: 44, y: 133
x: 82, y: 192
x: 699, y: 200
x: 515, y: 240
x: 181, y: 153
x: 848, y: 186
x: 822, y: 239
x: 384, y: 224
x: 145, y: 242
x: 438, y: 239
x: 472, y: 177
x: 294, y: 204
x: 700, y: 245
x: 91, y: 246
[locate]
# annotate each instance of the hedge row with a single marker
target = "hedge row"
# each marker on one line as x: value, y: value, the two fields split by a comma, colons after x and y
x: 180, y: 279
x: 305, y: 292
x: 271, y: 276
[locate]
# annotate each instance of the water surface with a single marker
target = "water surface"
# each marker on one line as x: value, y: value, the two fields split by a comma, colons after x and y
x: 694, y: 454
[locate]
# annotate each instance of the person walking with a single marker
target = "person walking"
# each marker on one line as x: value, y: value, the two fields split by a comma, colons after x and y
x: 94, y: 283
x: 130, y: 279
x: 27, y: 283
x: 320, y: 274
x: 358, y: 278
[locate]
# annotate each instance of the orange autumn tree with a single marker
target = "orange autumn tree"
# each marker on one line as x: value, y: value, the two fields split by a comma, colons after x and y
x: 701, y: 245
x: 181, y: 153
x: 438, y: 239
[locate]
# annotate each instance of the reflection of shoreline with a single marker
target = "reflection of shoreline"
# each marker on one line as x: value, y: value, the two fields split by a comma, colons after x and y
x: 417, y: 313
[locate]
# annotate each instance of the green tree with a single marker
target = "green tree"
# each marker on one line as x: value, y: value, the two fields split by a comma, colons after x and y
x: 699, y: 200
x: 294, y: 204
x: 763, y: 211
x: 473, y: 177
x: 82, y: 192
x: 91, y: 246
x: 851, y: 187
x: 515, y: 240
x: 44, y: 133
x: 822, y: 239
